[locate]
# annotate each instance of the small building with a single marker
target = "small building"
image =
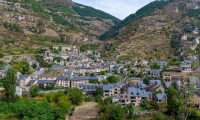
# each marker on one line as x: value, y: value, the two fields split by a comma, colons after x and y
x: 43, y: 83
x: 154, y: 73
x: 198, y: 87
x: 137, y: 95
x: 186, y: 68
x: 18, y: 91
x: 161, y: 63
x: 160, y: 98
x: 186, y: 62
x: 76, y: 81
x: 36, y: 74
x: 4, y: 71
x: 166, y: 76
x: 122, y: 99
x: 153, y: 82
x: 112, y: 89
x: 140, y: 85
x: 89, y: 90
x: 57, y: 67
x: 23, y: 79
x: 60, y: 81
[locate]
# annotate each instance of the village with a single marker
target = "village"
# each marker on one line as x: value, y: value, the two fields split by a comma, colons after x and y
x: 124, y: 83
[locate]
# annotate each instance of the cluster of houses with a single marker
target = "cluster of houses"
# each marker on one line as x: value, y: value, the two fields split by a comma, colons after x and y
x: 76, y: 69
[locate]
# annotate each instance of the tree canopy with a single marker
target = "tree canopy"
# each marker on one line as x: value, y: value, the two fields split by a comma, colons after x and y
x: 75, y: 95
x: 113, y: 79
x: 34, y: 90
x: 10, y: 86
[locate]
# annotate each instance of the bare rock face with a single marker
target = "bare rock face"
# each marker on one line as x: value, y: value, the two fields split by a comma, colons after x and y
x: 175, y: 9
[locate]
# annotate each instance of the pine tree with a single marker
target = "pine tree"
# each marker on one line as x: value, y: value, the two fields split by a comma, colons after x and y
x: 10, y: 86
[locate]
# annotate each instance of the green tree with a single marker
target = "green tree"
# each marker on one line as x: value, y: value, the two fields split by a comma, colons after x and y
x: 57, y: 95
x: 155, y: 66
x: 75, y: 95
x: 64, y: 103
x: 34, y: 90
x: 158, y: 116
x: 102, y: 73
x: 34, y: 66
x: 99, y: 100
x: 99, y: 91
x: 145, y: 104
x: 30, y: 71
x: 131, y: 111
x: 50, y: 86
x: 147, y: 79
x: 113, y: 79
x: 118, y: 112
x: 107, y: 101
x: 92, y: 74
x: 172, y: 100
x: 1, y: 55
x: 60, y: 48
x: 10, y: 86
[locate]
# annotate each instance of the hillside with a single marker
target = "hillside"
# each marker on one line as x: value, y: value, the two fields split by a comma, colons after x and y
x: 48, y: 22
x: 157, y: 31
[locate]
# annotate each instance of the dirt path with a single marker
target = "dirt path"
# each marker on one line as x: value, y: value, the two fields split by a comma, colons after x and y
x: 86, y: 111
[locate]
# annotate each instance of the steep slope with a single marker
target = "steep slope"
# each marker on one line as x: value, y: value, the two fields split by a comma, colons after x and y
x: 27, y: 25
x: 145, y: 11
x: 80, y: 17
x: 158, y: 34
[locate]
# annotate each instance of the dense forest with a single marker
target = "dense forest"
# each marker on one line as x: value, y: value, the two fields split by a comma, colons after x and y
x: 145, y: 11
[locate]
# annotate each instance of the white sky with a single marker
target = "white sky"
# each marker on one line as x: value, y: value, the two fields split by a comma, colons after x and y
x: 117, y: 8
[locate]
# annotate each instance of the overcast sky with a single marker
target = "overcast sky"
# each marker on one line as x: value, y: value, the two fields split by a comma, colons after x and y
x: 117, y: 8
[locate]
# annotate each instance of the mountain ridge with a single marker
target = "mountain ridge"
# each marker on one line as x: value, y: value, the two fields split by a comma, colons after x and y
x: 150, y: 37
x: 47, y: 22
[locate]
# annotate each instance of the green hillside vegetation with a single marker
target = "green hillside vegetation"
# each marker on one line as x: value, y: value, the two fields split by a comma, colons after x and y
x: 145, y: 11
x: 91, y: 12
x: 67, y: 19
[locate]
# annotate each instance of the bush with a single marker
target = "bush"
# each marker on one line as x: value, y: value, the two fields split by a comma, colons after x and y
x: 34, y: 90
x: 1, y: 55
x: 88, y: 99
x: 158, y: 116
x: 29, y: 109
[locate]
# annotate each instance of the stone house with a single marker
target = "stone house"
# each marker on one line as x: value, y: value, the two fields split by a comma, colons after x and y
x: 112, y: 89
x: 160, y: 98
x: 161, y: 63
x: 89, y: 90
x: 186, y: 68
x: 122, y: 99
x: 166, y: 76
x: 23, y: 79
x: 154, y: 73
x: 137, y: 95
x: 76, y: 81
x: 4, y: 71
